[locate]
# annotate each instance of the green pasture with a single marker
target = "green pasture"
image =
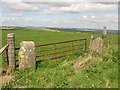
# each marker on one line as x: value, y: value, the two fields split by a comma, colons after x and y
x: 99, y: 71
x: 41, y: 37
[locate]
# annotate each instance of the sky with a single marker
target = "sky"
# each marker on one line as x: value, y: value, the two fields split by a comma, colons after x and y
x: 54, y: 13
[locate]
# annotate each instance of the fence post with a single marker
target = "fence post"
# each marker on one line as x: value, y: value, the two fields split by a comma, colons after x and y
x: 26, y: 55
x: 7, y: 55
x: 85, y: 44
x: 11, y: 52
x: 104, y: 32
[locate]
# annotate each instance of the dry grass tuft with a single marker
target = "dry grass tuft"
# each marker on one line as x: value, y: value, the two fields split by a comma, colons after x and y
x: 6, y: 79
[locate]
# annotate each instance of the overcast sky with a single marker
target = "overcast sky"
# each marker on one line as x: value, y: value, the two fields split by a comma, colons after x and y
x: 73, y: 13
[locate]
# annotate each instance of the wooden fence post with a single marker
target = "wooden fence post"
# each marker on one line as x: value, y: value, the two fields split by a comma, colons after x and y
x: 7, y: 55
x: 85, y: 44
x: 11, y: 52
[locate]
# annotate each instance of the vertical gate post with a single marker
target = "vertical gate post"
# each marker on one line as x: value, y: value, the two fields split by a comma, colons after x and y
x: 104, y: 32
x: 11, y: 52
x: 26, y: 55
x: 85, y: 44
x: 7, y: 55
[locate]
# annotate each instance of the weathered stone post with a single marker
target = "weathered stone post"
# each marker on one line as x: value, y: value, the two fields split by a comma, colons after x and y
x: 11, y: 52
x: 96, y: 45
x: 91, y: 39
x: 26, y: 55
x: 104, y: 32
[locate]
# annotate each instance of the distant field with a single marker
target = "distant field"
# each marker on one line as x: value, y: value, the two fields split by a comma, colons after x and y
x: 65, y: 73
x: 41, y: 37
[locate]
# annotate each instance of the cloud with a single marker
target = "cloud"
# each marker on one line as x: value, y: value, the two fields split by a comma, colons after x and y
x: 90, y: 21
x: 60, y: 7
x: 79, y: 8
x: 65, y: 1
x: 91, y: 14
x: 105, y: 19
x: 15, y: 8
x: 12, y: 14
x: 17, y: 5
x: 55, y: 4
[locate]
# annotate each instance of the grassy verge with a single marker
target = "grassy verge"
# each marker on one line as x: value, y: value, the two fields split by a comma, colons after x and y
x: 80, y: 70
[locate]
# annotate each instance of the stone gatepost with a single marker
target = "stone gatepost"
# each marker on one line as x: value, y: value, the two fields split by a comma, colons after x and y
x: 11, y: 53
x: 26, y: 55
x: 104, y: 33
x: 97, y: 45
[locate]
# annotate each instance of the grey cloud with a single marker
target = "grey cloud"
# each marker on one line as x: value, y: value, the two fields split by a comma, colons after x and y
x: 61, y: 7
x: 78, y: 8
x: 64, y: 0
x: 20, y: 6
x: 55, y: 4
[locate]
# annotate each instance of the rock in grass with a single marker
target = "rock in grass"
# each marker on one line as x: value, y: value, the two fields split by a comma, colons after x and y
x: 26, y: 55
x: 96, y: 45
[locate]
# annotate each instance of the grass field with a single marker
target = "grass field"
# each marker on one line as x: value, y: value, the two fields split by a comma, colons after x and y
x: 79, y: 70
x: 40, y: 37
